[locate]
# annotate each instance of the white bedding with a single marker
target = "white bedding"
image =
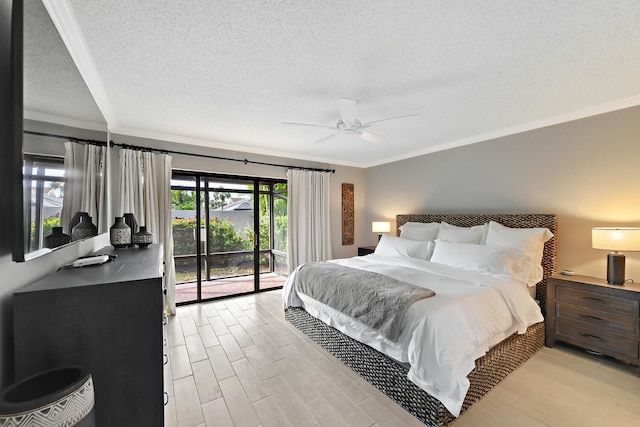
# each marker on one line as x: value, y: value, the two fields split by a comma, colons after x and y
x: 443, y: 335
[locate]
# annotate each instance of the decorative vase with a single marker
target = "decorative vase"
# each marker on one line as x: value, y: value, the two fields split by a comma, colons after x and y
x: 143, y: 238
x: 130, y: 220
x: 56, y: 238
x: 58, y: 397
x: 75, y: 219
x: 120, y: 234
x: 84, y: 229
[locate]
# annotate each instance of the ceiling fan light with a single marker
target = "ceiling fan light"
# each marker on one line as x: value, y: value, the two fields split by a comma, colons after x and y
x: 341, y: 125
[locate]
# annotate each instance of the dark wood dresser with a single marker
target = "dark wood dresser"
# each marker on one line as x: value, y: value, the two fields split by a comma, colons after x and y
x: 108, y: 318
x: 590, y: 313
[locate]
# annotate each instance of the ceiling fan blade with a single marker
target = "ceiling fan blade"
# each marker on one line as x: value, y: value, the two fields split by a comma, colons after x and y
x: 309, y: 125
x: 328, y: 137
x: 347, y: 110
x: 390, y: 118
x: 371, y: 137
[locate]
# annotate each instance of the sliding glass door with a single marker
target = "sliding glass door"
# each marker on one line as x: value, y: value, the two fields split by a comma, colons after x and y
x: 229, y: 235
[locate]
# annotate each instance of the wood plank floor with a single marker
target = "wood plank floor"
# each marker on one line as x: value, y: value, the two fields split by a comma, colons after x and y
x: 238, y: 362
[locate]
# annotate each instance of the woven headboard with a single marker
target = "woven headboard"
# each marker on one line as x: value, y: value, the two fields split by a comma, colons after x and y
x: 550, y: 221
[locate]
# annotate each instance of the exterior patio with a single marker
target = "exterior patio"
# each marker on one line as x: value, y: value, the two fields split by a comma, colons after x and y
x: 186, y: 292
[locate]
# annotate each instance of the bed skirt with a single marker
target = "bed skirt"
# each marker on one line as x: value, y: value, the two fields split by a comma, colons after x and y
x: 390, y: 377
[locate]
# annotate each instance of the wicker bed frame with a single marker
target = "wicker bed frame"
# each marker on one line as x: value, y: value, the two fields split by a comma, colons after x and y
x: 390, y: 377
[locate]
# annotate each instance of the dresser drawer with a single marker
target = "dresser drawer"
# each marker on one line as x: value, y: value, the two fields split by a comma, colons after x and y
x: 592, y: 338
x: 617, y: 323
x: 598, y: 301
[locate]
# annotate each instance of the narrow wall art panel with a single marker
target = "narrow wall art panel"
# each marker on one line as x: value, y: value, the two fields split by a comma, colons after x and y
x: 347, y: 214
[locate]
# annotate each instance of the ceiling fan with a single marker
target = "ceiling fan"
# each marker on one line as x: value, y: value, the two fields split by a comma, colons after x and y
x: 349, y: 124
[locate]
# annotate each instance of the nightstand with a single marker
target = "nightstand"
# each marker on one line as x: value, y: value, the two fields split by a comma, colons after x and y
x: 366, y: 250
x: 592, y: 314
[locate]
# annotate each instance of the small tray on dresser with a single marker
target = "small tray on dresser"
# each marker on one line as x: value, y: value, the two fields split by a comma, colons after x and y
x: 592, y: 314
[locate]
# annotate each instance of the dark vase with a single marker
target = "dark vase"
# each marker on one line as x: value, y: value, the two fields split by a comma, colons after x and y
x: 130, y: 220
x: 56, y: 238
x: 75, y: 219
x: 143, y: 238
x: 84, y: 229
x: 120, y: 234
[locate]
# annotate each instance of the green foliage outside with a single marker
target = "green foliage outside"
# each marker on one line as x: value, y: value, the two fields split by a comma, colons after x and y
x: 183, y: 200
x: 223, y: 236
x: 186, y: 200
x: 279, y: 218
x: 47, y: 225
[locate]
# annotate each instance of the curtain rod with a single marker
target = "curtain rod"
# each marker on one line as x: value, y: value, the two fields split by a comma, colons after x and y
x: 245, y: 161
x: 70, y: 138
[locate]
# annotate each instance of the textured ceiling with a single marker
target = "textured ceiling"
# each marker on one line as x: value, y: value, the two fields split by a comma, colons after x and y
x: 227, y: 73
x: 53, y: 88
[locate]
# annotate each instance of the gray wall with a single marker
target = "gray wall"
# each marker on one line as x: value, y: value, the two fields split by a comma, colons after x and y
x: 586, y: 171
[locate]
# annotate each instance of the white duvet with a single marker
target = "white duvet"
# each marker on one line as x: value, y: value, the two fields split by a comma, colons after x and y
x: 443, y: 335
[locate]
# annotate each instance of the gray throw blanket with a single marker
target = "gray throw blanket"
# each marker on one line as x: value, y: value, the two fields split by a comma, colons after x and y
x: 374, y: 299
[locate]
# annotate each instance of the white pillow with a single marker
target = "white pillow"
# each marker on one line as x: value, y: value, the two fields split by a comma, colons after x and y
x: 453, y: 233
x: 530, y: 240
x: 422, y: 231
x: 397, y: 246
x: 487, y: 259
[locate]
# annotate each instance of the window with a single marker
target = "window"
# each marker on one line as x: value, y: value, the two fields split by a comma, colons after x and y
x: 44, y: 193
x: 229, y: 235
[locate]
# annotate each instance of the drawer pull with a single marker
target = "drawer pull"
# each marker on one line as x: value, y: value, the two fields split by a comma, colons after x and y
x: 590, y: 317
x: 166, y: 398
x: 594, y: 299
x: 591, y: 336
x: 165, y: 359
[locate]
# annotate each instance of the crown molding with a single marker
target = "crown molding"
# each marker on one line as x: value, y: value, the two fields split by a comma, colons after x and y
x: 608, y: 107
x: 65, y: 121
x: 160, y: 136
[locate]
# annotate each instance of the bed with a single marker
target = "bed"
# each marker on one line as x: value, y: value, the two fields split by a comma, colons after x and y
x: 391, y: 376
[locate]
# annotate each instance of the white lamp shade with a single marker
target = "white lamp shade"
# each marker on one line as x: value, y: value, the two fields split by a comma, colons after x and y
x: 616, y: 238
x: 380, y: 227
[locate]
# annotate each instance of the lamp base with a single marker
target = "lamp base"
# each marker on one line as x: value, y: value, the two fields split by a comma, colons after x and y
x: 379, y: 237
x: 615, y: 269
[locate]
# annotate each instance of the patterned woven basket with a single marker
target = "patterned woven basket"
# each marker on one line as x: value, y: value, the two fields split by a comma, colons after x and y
x: 61, y: 397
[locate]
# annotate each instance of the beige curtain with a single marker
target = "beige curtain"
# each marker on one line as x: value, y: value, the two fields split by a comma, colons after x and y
x: 309, y: 228
x: 145, y: 191
x: 84, y: 184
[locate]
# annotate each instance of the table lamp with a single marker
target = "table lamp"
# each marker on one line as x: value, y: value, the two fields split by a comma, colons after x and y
x: 380, y: 227
x: 616, y: 239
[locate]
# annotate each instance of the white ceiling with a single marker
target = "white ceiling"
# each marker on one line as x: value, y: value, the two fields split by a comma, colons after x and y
x: 227, y: 73
x: 54, y: 90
